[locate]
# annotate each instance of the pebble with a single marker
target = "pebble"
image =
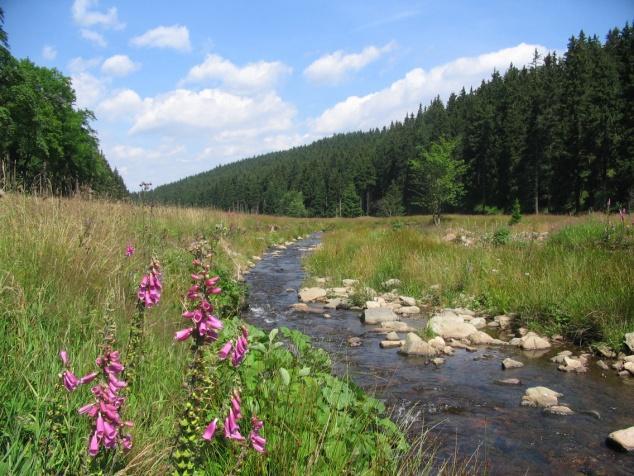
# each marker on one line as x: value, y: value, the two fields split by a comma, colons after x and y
x: 390, y: 344
x: 509, y: 363
x: 509, y: 381
x: 354, y: 341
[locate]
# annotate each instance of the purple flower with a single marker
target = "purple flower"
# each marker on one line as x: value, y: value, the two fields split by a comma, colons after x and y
x: 69, y: 380
x: 210, y: 430
x: 88, y: 378
x: 257, y: 441
x: 129, y: 251
x: 183, y: 334
x: 231, y: 428
x: 223, y: 353
x: 241, y: 348
x: 64, y: 356
x: 150, y: 288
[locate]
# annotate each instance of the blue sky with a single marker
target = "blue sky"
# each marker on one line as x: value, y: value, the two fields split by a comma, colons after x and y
x: 180, y: 87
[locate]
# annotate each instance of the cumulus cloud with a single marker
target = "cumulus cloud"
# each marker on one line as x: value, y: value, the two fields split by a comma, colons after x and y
x: 332, y: 68
x: 79, y: 65
x: 88, y: 89
x: 49, y: 53
x: 233, y: 145
x: 213, y: 109
x: 175, y: 37
x: 128, y: 152
x: 93, y: 37
x: 119, y: 65
x: 418, y: 85
x: 251, y: 77
x: 122, y: 104
x: 85, y: 14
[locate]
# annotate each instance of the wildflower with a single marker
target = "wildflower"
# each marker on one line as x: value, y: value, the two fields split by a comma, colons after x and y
x: 129, y: 251
x: 206, y: 325
x: 224, y: 352
x: 64, y: 356
x: 210, y: 430
x: 183, y: 334
x: 240, y: 350
x: 257, y: 441
x: 105, y: 410
x: 69, y: 380
x: 232, y: 430
x: 150, y: 288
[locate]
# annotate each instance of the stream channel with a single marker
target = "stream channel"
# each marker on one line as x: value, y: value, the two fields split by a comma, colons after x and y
x: 470, y: 414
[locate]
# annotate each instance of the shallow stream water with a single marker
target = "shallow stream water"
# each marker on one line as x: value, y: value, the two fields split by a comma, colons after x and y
x: 470, y: 414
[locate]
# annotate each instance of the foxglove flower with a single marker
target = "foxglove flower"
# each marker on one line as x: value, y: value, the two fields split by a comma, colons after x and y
x: 150, y: 288
x: 240, y: 350
x: 232, y: 430
x: 69, y: 380
x: 205, y: 324
x: 129, y: 251
x: 223, y: 353
x: 210, y: 430
x: 257, y: 441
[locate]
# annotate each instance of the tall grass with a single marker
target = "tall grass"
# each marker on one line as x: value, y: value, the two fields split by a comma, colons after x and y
x: 63, y: 270
x: 577, y: 282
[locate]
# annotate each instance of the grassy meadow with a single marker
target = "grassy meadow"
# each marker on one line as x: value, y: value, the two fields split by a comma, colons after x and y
x: 64, y: 277
x: 576, y: 281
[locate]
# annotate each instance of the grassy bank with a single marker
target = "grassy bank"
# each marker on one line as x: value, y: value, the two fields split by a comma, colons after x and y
x: 577, y: 280
x: 64, y: 275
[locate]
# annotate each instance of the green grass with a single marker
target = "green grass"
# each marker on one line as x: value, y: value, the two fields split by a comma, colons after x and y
x: 63, y: 270
x: 578, y: 282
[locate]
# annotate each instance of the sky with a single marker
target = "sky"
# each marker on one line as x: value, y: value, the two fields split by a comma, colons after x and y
x: 181, y: 87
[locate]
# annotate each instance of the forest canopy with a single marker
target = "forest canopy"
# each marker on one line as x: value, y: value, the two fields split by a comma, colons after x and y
x: 557, y: 135
x: 46, y: 143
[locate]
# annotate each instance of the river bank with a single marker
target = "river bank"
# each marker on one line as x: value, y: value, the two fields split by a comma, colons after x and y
x: 462, y: 399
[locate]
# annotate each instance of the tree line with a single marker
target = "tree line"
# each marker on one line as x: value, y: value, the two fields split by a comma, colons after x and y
x: 556, y: 135
x: 46, y: 143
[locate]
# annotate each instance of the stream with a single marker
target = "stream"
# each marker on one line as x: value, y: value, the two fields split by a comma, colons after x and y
x: 470, y: 414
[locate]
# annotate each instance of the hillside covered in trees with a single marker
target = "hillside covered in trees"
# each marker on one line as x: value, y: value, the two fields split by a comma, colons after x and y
x: 46, y: 144
x: 557, y: 135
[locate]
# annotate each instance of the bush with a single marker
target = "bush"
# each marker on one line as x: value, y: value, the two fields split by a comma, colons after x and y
x: 501, y: 236
x: 516, y: 213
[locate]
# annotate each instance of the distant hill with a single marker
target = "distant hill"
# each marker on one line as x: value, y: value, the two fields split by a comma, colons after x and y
x: 558, y: 135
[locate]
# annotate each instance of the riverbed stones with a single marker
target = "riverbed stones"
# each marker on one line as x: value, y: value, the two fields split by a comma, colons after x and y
x: 629, y: 366
x: 629, y: 340
x: 407, y: 310
x: 509, y: 363
x: 437, y: 343
x: 392, y: 336
x: 509, y: 381
x: 313, y: 295
x: 354, y: 341
x: 390, y: 344
x: 378, y: 315
x: 391, y: 283
x: 559, y: 410
x: 449, y: 325
x: 572, y: 364
x: 480, y: 338
x: 602, y: 365
x: 478, y: 322
x: 397, y: 326
x: 559, y: 358
x: 622, y: 439
x: 407, y: 301
x: 503, y: 320
x: 532, y: 341
x: 414, y: 345
x: 438, y: 361
x: 605, y: 351
x: 348, y: 283
x: 516, y: 341
x: 540, y: 397
x: 300, y: 307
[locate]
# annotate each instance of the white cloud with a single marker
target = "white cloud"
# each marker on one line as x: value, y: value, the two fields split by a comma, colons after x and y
x: 234, y: 145
x: 175, y: 37
x: 79, y: 65
x: 88, y: 89
x: 85, y: 15
x: 128, y: 152
x: 418, y: 86
x: 119, y: 65
x: 94, y: 37
x: 49, y: 53
x: 334, y: 67
x: 122, y: 104
x: 253, y: 76
x: 213, y: 109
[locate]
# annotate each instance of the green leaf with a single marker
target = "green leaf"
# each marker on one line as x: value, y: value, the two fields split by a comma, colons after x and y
x: 304, y: 371
x: 286, y: 378
x: 273, y: 334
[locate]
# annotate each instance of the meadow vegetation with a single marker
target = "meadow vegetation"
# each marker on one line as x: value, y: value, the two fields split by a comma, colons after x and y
x: 65, y: 281
x: 577, y: 280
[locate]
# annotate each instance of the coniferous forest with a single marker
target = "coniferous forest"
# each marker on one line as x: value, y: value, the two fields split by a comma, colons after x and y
x: 557, y: 135
x: 46, y: 143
